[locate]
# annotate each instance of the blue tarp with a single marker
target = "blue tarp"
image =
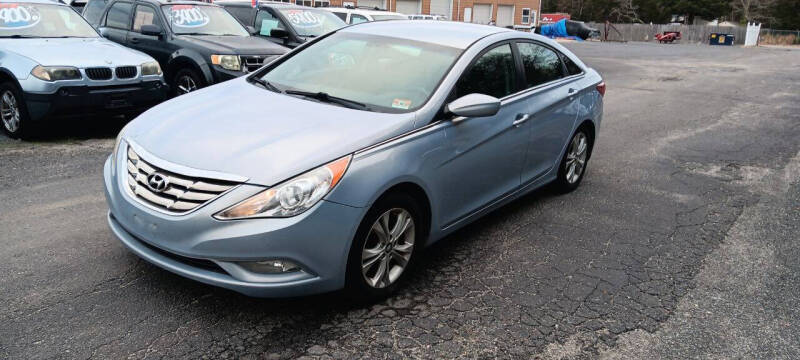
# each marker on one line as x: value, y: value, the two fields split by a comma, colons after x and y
x: 558, y: 30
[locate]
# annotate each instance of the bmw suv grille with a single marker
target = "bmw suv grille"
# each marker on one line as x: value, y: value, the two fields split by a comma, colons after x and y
x: 126, y: 72
x: 98, y: 73
x: 169, y: 191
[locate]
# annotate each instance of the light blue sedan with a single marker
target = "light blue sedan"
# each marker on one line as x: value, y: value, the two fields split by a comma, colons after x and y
x: 333, y: 166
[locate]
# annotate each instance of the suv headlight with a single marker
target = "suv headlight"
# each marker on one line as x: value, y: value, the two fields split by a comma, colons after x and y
x: 151, y: 68
x: 229, y: 62
x: 56, y: 73
x: 292, y: 197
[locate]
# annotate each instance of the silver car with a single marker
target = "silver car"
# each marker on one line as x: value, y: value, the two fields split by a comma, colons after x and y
x: 54, y: 64
x: 333, y: 166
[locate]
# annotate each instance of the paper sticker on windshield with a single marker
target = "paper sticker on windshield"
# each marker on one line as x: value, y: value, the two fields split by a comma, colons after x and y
x: 18, y: 16
x: 401, y: 103
x: 302, y: 18
x: 188, y: 16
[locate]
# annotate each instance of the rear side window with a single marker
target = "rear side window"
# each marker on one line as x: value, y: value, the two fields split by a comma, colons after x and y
x: 94, y: 11
x: 541, y: 64
x: 494, y: 73
x: 342, y: 16
x: 245, y: 15
x: 357, y: 19
x: 119, y: 16
x: 572, y: 68
x: 145, y: 15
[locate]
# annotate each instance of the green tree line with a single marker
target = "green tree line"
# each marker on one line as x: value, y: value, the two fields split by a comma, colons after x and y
x: 776, y: 14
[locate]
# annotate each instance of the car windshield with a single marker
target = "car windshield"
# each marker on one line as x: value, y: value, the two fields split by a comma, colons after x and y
x: 389, y: 17
x: 27, y: 20
x: 190, y: 19
x: 311, y: 22
x: 386, y: 74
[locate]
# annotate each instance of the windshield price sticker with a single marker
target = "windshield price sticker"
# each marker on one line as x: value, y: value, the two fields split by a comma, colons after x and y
x: 16, y: 16
x: 302, y: 18
x: 188, y: 16
x: 401, y: 103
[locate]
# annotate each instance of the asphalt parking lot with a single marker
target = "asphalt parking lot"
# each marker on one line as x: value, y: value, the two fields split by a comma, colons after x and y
x: 681, y: 242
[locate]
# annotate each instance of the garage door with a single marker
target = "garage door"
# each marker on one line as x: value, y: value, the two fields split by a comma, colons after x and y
x: 481, y: 13
x: 505, y: 15
x: 371, y: 3
x: 441, y: 7
x: 409, y: 7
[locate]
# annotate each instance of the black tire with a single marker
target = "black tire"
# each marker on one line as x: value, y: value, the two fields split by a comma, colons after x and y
x: 566, y: 181
x: 19, y: 112
x: 357, y: 286
x: 178, y: 85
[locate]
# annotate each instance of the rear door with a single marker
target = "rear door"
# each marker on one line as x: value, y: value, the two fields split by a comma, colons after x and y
x: 118, y: 22
x: 550, y: 95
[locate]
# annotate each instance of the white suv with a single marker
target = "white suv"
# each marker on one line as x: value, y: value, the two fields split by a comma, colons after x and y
x: 359, y: 15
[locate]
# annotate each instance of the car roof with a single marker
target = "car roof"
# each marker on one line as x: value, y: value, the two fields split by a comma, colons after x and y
x: 262, y: 4
x: 51, y: 2
x: 445, y: 33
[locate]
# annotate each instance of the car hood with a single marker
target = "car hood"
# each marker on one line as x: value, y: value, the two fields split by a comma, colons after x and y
x: 240, y: 45
x: 79, y: 52
x: 240, y: 129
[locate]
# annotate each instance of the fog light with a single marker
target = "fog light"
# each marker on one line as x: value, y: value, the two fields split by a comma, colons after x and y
x: 270, y: 266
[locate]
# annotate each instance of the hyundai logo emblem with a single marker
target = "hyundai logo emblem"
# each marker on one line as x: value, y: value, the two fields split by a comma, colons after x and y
x: 157, y: 182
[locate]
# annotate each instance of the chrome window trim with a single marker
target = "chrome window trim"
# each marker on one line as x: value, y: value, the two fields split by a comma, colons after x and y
x: 181, y: 169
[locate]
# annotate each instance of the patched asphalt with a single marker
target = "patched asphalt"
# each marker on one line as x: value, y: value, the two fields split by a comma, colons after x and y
x: 681, y: 242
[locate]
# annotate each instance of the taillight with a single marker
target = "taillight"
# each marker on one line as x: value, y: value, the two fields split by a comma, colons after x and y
x: 601, y: 88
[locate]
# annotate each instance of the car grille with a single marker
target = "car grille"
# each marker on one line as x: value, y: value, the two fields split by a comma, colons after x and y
x: 180, y: 194
x: 98, y: 73
x: 126, y: 72
x: 252, y: 63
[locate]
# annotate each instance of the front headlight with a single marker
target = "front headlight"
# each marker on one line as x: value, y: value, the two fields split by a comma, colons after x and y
x: 229, y: 62
x: 56, y: 73
x: 293, y: 196
x: 151, y: 68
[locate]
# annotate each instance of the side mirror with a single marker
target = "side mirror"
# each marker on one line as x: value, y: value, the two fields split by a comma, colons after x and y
x: 251, y: 29
x: 279, y: 33
x: 474, y: 105
x: 151, y: 30
x: 103, y: 31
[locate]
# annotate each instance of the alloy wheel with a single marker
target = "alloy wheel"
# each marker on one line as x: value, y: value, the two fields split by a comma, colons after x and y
x: 388, y: 248
x: 9, y: 111
x: 576, y: 157
x: 186, y: 85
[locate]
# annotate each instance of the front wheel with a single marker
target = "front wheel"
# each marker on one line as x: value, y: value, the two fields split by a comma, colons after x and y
x: 384, y: 247
x: 12, y: 111
x: 573, y: 164
x: 186, y: 81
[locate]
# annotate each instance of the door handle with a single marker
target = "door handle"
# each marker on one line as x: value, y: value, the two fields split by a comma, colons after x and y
x: 572, y: 90
x: 521, y: 118
x: 135, y: 40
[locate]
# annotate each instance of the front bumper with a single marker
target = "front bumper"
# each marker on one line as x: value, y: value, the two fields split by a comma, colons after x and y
x: 199, y: 247
x: 82, y: 100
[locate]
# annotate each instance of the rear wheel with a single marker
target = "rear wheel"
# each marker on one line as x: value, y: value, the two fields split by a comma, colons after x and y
x: 573, y: 164
x: 13, y: 113
x: 186, y: 81
x: 384, y: 247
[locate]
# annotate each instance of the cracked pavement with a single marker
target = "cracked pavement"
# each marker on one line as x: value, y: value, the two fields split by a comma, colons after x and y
x: 681, y: 243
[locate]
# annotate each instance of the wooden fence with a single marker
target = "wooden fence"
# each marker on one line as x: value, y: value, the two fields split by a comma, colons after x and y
x: 689, y: 33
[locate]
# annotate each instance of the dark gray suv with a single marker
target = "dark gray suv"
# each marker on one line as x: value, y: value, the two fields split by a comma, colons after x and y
x: 196, y: 43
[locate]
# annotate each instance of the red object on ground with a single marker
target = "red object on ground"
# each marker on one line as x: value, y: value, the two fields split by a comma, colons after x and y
x: 553, y: 18
x: 668, y: 36
x: 601, y: 88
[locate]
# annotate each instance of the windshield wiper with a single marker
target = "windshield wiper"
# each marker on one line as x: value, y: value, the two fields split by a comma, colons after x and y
x: 324, y: 97
x: 18, y: 36
x: 266, y: 84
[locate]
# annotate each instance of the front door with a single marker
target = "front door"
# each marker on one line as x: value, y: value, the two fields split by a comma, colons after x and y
x: 118, y: 22
x: 484, y: 154
x: 150, y: 45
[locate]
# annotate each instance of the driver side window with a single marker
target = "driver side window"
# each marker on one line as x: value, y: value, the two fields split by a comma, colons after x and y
x: 265, y: 22
x: 494, y: 74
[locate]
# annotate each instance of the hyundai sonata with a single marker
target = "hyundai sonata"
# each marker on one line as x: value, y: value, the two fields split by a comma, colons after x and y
x: 334, y: 165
